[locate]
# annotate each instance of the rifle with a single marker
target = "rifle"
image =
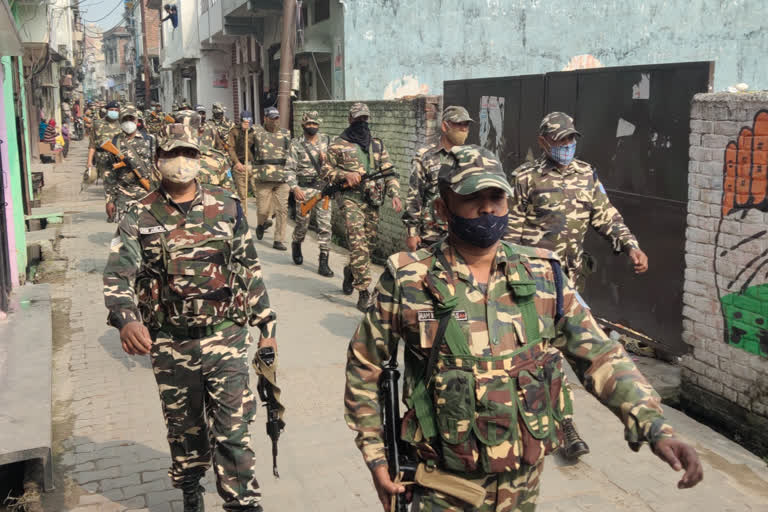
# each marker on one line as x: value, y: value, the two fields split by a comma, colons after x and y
x: 401, y: 468
x: 266, y: 389
x: 170, y: 119
x: 331, y: 189
x: 108, y: 146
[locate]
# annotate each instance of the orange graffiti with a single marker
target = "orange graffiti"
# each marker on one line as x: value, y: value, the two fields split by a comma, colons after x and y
x: 745, y: 171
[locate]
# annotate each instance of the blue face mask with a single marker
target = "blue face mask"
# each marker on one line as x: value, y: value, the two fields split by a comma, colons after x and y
x: 484, y: 231
x: 563, y: 154
x: 112, y: 114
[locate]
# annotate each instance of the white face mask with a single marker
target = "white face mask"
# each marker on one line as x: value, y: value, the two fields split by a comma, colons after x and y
x: 128, y: 127
x: 180, y: 169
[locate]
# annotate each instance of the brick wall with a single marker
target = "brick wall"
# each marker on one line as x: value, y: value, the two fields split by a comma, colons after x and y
x: 725, y: 309
x: 404, y: 126
x: 153, y: 30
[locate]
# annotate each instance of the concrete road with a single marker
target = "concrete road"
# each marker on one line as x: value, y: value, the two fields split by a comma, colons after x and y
x: 110, y: 448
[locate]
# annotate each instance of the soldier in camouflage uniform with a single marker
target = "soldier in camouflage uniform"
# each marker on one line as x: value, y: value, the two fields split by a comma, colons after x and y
x: 269, y: 180
x: 237, y: 154
x: 182, y: 283
x: 306, y: 158
x: 155, y: 120
x: 351, y: 155
x: 209, y: 134
x: 222, y: 124
x: 214, y: 165
x: 121, y: 186
x: 485, y: 402
x: 557, y: 198
x: 422, y: 225
x: 103, y: 130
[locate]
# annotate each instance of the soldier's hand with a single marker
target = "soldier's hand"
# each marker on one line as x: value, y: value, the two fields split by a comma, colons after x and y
x: 268, y: 342
x: 239, y: 167
x: 353, y: 179
x: 385, y: 487
x: 298, y: 194
x: 639, y: 260
x: 680, y: 455
x: 110, y: 210
x: 412, y: 242
x: 135, y: 338
x: 397, y: 204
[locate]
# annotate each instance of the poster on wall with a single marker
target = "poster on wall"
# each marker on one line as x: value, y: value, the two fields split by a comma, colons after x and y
x: 221, y: 79
x: 492, y: 124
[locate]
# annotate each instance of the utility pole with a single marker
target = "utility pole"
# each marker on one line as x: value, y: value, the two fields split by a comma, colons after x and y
x: 286, y: 62
x: 147, y: 75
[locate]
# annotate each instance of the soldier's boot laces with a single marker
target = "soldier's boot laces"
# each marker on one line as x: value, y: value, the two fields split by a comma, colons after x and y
x: 575, y: 446
x: 298, y: 258
x: 363, y: 299
x: 346, y: 285
x: 323, y: 269
x: 193, y: 498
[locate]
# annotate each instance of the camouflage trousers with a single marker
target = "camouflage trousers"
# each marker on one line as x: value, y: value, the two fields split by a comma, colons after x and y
x: 323, y: 218
x: 207, y: 406
x: 273, y: 199
x: 101, y: 161
x: 505, y: 492
x: 362, y: 223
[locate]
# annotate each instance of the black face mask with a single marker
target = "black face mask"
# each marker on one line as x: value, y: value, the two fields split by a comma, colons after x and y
x: 218, y: 115
x: 358, y: 133
x: 311, y: 130
x: 484, y: 231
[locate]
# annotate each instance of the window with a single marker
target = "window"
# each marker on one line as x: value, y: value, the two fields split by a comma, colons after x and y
x: 322, y: 10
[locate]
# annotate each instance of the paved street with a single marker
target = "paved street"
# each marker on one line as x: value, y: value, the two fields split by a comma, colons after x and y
x: 110, y: 448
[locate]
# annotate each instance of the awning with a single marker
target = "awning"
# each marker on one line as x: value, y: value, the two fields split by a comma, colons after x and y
x: 10, y: 42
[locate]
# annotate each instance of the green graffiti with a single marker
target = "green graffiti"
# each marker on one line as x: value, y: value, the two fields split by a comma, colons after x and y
x: 746, y: 319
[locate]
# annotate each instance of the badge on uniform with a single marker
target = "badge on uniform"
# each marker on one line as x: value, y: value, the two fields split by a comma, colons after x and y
x: 429, y: 316
x: 152, y: 230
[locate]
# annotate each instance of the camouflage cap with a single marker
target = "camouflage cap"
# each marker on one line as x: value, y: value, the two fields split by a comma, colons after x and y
x: 188, y: 118
x: 129, y: 110
x: 179, y: 135
x: 217, y: 107
x: 359, y: 109
x: 475, y: 169
x: 200, y: 108
x: 311, y: 117
x: 271, y: 112
x: 557, y: 125
x: 456, y: 114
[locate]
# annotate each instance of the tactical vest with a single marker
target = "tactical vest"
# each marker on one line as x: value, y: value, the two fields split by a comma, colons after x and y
x: 270, y: 156
x: 486, y: 414
x: 372, y: 191
x: 189, y: 278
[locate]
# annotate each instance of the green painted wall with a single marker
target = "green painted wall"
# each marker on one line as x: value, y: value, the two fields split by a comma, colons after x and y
x: 25, y: 125
x: 14, y: 165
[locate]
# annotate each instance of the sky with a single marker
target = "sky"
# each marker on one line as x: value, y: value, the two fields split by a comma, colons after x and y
x: 95, y: 10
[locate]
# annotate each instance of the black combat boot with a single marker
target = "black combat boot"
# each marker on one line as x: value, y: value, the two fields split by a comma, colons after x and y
x: 298, y: 258
x: 193, y: 498
x: 280, y: 246
x: 575, y: 446
x: 323, y: 269
x: 363, y: 299
x: 346, y: 286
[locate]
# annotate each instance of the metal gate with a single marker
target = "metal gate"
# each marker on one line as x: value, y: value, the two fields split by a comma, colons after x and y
x: 635, y: 125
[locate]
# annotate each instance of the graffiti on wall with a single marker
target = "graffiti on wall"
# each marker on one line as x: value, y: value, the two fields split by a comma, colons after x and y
x: 741, y: 243
x: 492, y: 124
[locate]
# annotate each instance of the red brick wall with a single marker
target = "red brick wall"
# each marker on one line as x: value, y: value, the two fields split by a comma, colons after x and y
x: 235, y: 88
x: 153, y: 30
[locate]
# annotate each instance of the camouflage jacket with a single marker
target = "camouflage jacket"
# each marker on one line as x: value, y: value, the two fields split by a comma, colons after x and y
x: 154, y: 121
x: 299, y: 167
x: 270, y: 151
x: 140, y: 151
x: 552, y: 209
x: 209, y: 136
x: 193, y: 269
x: 223, y: 127
x: 102, y: 131
x: 345, y: 156
x: 403, y: 308
x: 419, y: 215
x: 214, y: 166
x: 236, y: 143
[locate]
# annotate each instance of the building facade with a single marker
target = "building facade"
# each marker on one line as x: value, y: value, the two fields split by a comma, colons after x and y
x: 117, y: 45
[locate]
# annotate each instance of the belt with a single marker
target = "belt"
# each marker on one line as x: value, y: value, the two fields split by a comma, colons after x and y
x: 196, y: 332
x: 270, y: 161
x: 307, y: 181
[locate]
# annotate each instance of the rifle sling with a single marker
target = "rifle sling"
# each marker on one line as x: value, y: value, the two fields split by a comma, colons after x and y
x: 315, y: 163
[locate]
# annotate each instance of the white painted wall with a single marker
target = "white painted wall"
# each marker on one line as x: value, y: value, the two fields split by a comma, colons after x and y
x: 211, y: 65
x: 184, y: 41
